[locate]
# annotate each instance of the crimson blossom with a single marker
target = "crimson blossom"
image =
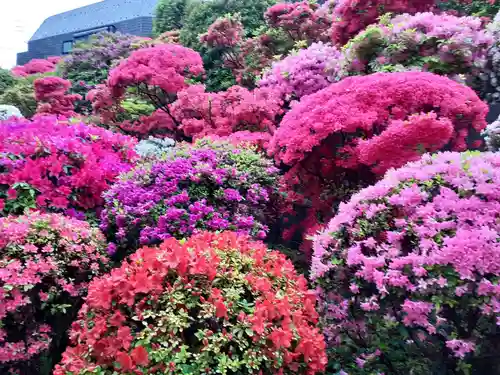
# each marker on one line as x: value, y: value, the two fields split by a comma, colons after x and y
x: 213, y: 302
x: 52, y: 97
x: 350, y: 133
x: 46, y: 262
x: 51, y: 165
x: 408, y: 270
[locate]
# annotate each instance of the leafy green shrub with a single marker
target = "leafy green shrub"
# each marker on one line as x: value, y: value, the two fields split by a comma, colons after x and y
x: 169, y: 15
x: 6, y: 80
x: 22, y: 95
x: 215, y: 303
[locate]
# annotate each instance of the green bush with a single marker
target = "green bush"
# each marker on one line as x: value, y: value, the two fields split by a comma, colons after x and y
x: 6, y: 80
x: 169, y: 15
x: 21, y: 95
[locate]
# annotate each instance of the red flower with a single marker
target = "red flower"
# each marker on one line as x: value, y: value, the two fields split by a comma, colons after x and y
x: 124, y: 361
x: 140, y: 356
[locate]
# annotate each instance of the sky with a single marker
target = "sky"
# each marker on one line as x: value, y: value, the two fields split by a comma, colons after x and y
x: 19, y: 19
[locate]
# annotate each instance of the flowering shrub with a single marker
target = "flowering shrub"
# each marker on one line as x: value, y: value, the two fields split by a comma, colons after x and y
x: 210, y: 185
x: 90, y: 61
x: 155, y: 74
x: 352, y: 16
x: 408, y: 270
x: 492, y: 136
x: 36, y: 66
x: 438, y: 43
x: 51, y: 94
x: 153, y: 147
x: 348, y: 135
x: 46, y: 263
x: 302, y: 73
x: 302, y: 21
x: 224, y: 32
x: 49, y: 165
x: 215, y: 302
x: 201, y: 113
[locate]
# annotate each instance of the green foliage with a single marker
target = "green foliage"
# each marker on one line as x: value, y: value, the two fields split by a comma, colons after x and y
x: 169, y: 15
x: 480, y: 8
x: 201, y: 14
x: 6, y: 80
x: 21, y: 95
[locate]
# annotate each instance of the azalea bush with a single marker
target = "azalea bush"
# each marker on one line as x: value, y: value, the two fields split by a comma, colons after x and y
x: 155, y: 74
x: 55, y: 166
x: 408, y: 272
x: 202, y: 113
x: 36, y: 66
x: 212, y: 303
x: 90, y: 61
x: 46, y: 263
x: 352, y: 16
x: 211, y: 185
x: 52, y: 97
x: 492, y: 136
x: 348, y: 135
x: 303, y: 72
x: 438, y: 43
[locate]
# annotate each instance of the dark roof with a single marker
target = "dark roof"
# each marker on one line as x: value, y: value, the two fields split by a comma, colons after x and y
x: 96, y: 15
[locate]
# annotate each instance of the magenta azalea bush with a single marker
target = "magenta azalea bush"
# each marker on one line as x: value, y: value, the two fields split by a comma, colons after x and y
x: 51, y: 165
x: 211, y: 185
x: 408, y: 270
x: 46, y: 262
x: 302, y: 73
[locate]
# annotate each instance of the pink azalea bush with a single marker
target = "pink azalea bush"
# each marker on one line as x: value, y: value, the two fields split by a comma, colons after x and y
x: 155, y: 74
x: 51, y: 165
x: 352, y: 16
x: 202, y: 113
x: 408, y: 270
x: 303, y: 72
x: 46, y: 263
x: 350, y: 133
x: 438, y: 43
x: 52, y: 97
x: 224, y: 32
x: 36, y: 66
x: 211, y: 185
x: 215, y: 302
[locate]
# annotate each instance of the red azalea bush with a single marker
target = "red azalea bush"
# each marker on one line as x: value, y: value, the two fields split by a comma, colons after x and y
x: 46, y: 262
x: 52, y: 97
x: 201, y: 113
x: 349, y: 134
x: 36, y: 66
x: 352, y: 16
x: 214, y: 302
x: 49, y: 165
x: 224, y: 32
x: 408, y: 271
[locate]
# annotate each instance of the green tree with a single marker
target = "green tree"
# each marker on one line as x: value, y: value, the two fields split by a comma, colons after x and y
x: 169, y: 15
x: 6, y: 80
x: 479, y: 8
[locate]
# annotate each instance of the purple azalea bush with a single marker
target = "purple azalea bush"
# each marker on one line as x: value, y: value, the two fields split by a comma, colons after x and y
x: 302, y: 73
x: 408, y: 270
x: 210, y: 185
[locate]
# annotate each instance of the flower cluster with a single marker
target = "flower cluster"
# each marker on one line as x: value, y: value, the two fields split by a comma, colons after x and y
x: 153, y: 147
x: 46, y: 263
x: 408, y: 269
x: 438, y: 43
x: 211, y: 185
x: 51, y: 165
x: 302, y: 21
x: 347, y: 135
x: 303, y: 72
x: 352, y: 16
x: 225, y: 32
x: 215, y: 302
x: 492, y: 136
x: 36, y: 66
x: 202, y: 113
x: 52, y: 97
